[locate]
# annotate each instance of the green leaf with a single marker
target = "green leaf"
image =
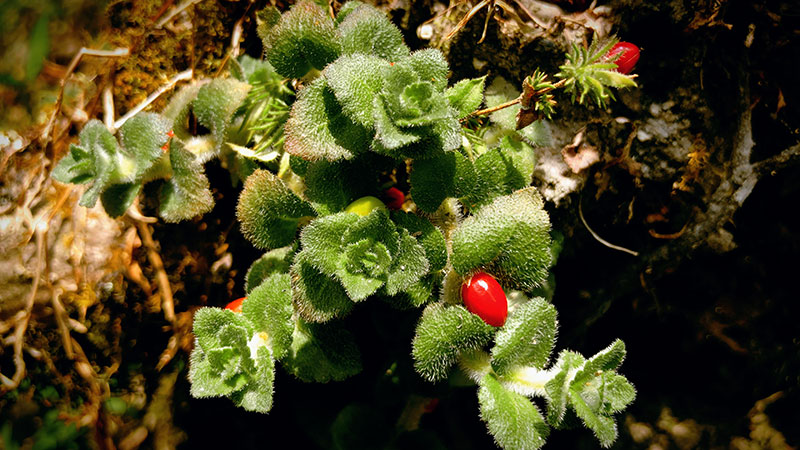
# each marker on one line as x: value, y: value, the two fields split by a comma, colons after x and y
x: 322, y: 240
x: 274, y: 261
x: 322, y: 353
x: 346, y: 9
x: 430, y: 237
x: 318, y: 129
x: 75, y: 168
x: 431, y: 66
x: 501, y: 91
x: 604, y: 427
x: 408, y: 266
x: 511, y: 418
x: 500, y: 171
x: 466, y: 96
x: 317, y: 297
x: 364, y: 267
x: 269, y: 308
x: 527, y: 338
x: 186, y: 194
x: 215, y: 105
x: 302, y: 40
x: 177, y: 110
x: 366, y: 30
x: 442, y: 334
x: 256, y: 395
x: 269, y: 212
x: 143, y: 136
x: 618, y: 393
x: 355, y: 81
x: 389, y: 135
x: 118, y: 197
x: 610, y: 358
x: 508, y: 238
x: 557, y: 389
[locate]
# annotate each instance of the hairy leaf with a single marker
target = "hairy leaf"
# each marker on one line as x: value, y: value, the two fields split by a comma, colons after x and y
x: 557, y: 389
x: 604, y: 427
x: 430, y: 237
x: 408, y: 266
x: 317, y: 297
x: 269, y: 212
x: 186, y: 194
x: 274, y: 261
x: 142, y: 136
x: 256, y: 395
x: 527, y: 338
x: 215, y: 104
x: 442, y: 334
x: 509, y: 238
x: 119, y: 197
x: 318, y: 129
x: 322, y: 240
x: 269, y: 308
x: 511, y: 418
x: 368, y: 31
x: 302, y: 40
x: 466, y: 96
x: 355, y: 81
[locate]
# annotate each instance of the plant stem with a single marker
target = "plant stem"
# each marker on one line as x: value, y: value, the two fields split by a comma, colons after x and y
x: 483, y: 112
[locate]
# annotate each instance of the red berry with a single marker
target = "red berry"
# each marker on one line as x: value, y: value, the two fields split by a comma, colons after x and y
x: 236, y: 305
x: 394, y: 198
x: 628, y: 56
x: 484, y: 297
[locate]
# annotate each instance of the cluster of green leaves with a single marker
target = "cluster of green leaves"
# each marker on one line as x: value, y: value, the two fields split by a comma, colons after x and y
x: 371, y: 110
x: 589, y: 74
x: 514, y: 370
x: 373, y: 94
x: 165, y: 147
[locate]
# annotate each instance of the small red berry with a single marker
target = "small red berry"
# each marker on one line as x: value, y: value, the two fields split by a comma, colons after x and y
x: 394, y: 198
x: 236, y: 305
x: 484, y: 297
x: 628, y: 56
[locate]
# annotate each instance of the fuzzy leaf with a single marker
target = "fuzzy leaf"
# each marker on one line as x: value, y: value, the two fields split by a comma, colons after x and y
x: 274, y: 261
x: 269, y: 308
x: 500, y: 171
x: 269, y: 212
x: 442, y: 334
x: 501, y: 91
x: 177, y: 110
x: 355, y: 81
x: 610, y: 358
x: 75, y: 168
x: 215, y: 104
x: 618, y: 393
x: 466, y: 96
x: 143, y: 136
x: 363, y: 268
x: 186, y: 194
x: 557, y: 389
x: 322, y: 240
x: 316, y: 296
x: 109, y: 165
x: 408, y: 266
x: 368, y: 31
x: 302, y: 40
x: 322, y: 353
x: 527, y: 338
x: 604, y: 427
x: 431, y: 66
x: 430, y: 237
x: 318, y: 129
x: 118, y: 197
x: 346, y: 9
x: 511, y: 418
x: 509, y: 238
x: 256, y: 395
x: 389, y: 135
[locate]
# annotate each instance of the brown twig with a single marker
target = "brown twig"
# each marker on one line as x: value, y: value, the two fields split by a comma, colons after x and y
x: 164, y: 288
